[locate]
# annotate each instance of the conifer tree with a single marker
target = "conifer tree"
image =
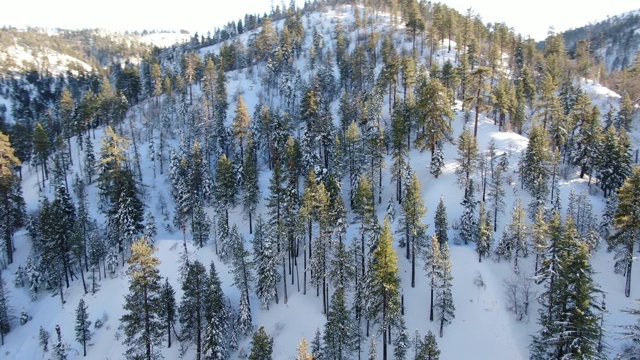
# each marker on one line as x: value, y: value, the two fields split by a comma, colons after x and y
x: 250, y: 186
x: 626, y: 221
x: 7, y: 177
x: 200, y: 226
x: 514, y: 241
x: 43, y: 338
x: 429, y: 349
x: 150, y: 228
x: 83, y: 333
x: 440, y: 222
x: 534, y: 164
x: 444, y: 297
x: 141, y: 322
x: 468, y: 221
x: 496, y: 191
x: 303, y: 350
x: 216, y: 333
x: 485, y: 234
x: 265, y: 261
x: 434, y: 115
x: 192, y: 309
x: 261, y: 345
x: 385, y: 283
x: 364, y: 209
x: 5, y: 320
x: 414, y: 211
x: 168, y: 308
x: 225, y: 190
x: 401, y: 342
x: 437, y: 161
x: 467, y: 158
x: 241, y: 122
x: 571, y: 312
x: 339, y: 332
x: 241, y: 264
x: 60, y: 349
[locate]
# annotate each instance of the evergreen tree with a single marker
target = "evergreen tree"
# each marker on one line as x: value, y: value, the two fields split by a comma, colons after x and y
x: 141, y: 321
x: 402, y: 342
x: 514, y: 241
x: 434, y: 115
x: 444, y: 297
x: 626, y: 222
x: 467, y: 158
x: 5, y: 321
x: 385, y: 284
x: 192, y: 309
x: 414, y: 211
x: 570, y: 315
x: 43, y: 338
x: 241, y: 265
x: 534, y: 164
x: 150, y: 228
x: 440, y: 222
x: 265, y: 262
x: 250, y: 185
x: 216, y: 334
x: 83, y: 333
x: 429, y: 349
x: 225, y: 194
x: 168, y: 308
x: 316, y: 346
x: 496, y: 192
x: 60, y: 349
x: 468, y: 221
x: 432, y: 267
x: 261, y: 345
x: 437, y: 161
x: 244, y: 323
x: 8, y: 161
x: 303, y: 350
x: 200, y: 226
x: 485, y: 234
x: 339, y: 334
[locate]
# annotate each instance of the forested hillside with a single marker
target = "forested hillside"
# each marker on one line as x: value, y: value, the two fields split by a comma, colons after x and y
x: 346, y: 180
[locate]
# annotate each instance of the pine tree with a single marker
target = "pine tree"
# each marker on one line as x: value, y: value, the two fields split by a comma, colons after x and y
x: 150, y: 228
x: 339, y: 334
x: 141, y: 322
x: 467, y: 158
x: 440, y: 222
x: 626, y: 221
x: 437, y: 161
x: 570, y: 315
x: 244, y: 322
x: 429, y: 349
x: 43, y: 338
x: 414, y: 211
x: 402, y: 342
x: 241, y: 265
x: 303, y: 350
x: 5, y: 321
x: 241, y: 122
x: 534, y: 164
x: 7, y: 177
x: 250, y: 185
x: 317, y: 352
x: 496, y: 192
x: 444, y: 297
x: 265, y: 262
x: 83, y: 333
x: 515, y: 236
x: 168, y: 308
x: 60, y: 349
x: 468, y: 221
x: 193, y: 305
x: 200, y: 226
x: 485, y: 234
x: 261, y: 345
x: 432, y: 268
x: 385, y: 283
x: 217, y: 320
x: 434, y: 115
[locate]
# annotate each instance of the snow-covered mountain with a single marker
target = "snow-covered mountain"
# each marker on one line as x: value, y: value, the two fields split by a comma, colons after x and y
x: 483, y: 328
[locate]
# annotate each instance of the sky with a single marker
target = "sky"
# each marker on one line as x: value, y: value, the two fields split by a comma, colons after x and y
x: 529, y: 18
